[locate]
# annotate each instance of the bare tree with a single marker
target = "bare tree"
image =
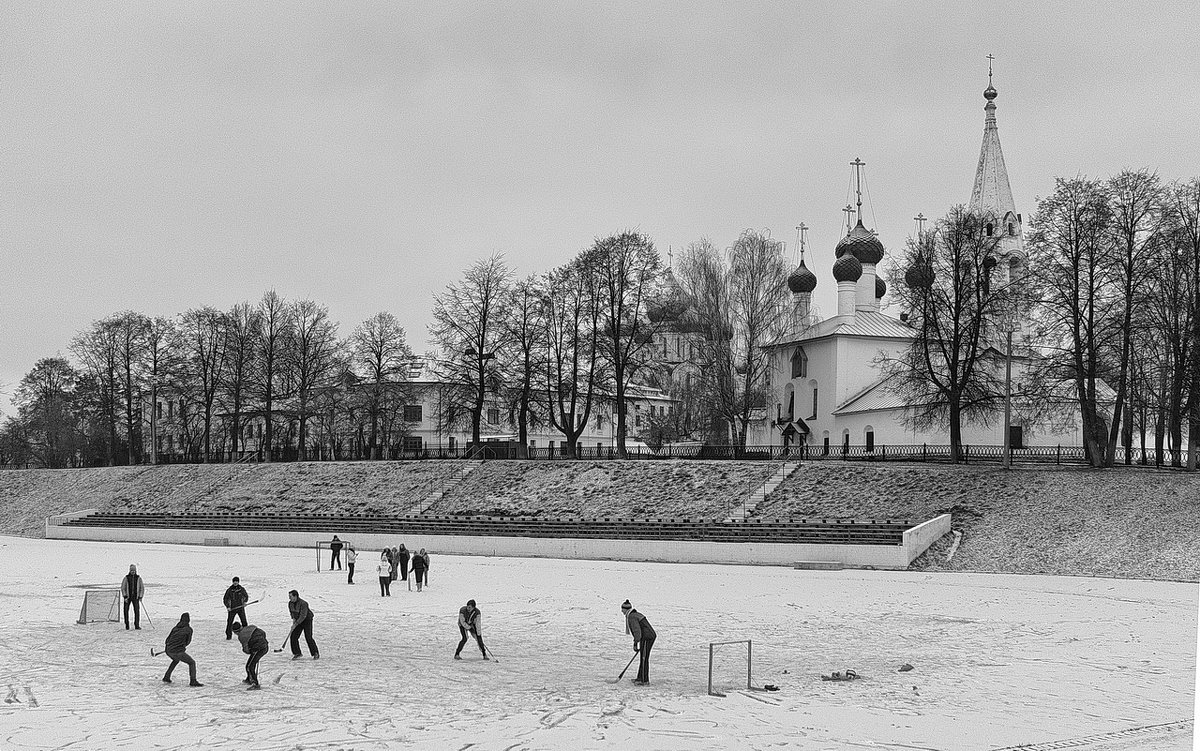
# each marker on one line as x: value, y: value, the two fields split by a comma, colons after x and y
x: 274, y: 326
x: 162, y: 338
x: 739, y: 302
x: 1071, y: 247
x: 1135, y: 198
x: 312, y: 363
x: 44, y: 401
x: 1184, y: 229
x: 955, y: 300
x: 242, y: 329
x: 468, y: 328
x: 524, y: 364
x: 380, y: 357
x: 626, y: 266
x: 573, y: 363
x: 97, y: 350
x: 202, y: 340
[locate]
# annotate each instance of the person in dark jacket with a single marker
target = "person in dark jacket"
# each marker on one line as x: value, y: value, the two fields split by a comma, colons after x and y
x: 643, y: 639
x: 254, y: 643
x: 470, y: 620
x: 235, y: 601
x: 176, y: 648
x: 420, y: 564
x: 302, y: 622
x: 394, y: 554
x: 404, y: 556
x: 132, y: 590
x: 335, y: 553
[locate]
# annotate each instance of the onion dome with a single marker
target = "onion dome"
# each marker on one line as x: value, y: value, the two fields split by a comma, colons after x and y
x: 862, y: 243
x: 990, y: 93
x: 919, y: 275
x: 847, y: 268
x: 880, y: 287
x: 802, y: 280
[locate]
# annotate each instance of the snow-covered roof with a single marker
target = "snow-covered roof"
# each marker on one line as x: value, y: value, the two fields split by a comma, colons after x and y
x: 865, y: 323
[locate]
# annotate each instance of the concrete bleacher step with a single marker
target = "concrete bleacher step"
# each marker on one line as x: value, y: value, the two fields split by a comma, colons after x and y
x: 747, y: 507
x: 819, y: 565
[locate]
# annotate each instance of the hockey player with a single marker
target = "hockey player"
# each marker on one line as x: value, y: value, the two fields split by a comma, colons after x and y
x: 470, y: 620
x: 643, y: 639
x: 385, y: 573
x: 302, y: 622
x: 132, y: 590
x: 235, y: 600
x: 176, y: 648
x: 254, y: 643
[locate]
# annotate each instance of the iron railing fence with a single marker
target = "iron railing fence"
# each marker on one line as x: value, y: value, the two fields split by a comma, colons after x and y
x: 971, y: 454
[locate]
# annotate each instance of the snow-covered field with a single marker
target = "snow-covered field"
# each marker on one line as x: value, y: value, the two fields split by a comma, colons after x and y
x: 999, y: 660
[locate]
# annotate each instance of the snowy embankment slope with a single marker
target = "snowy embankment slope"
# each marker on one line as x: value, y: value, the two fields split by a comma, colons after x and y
x: 999, y: 660
x: 1124, y: 522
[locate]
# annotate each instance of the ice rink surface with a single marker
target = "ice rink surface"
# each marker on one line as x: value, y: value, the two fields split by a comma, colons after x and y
x: 999, y: 660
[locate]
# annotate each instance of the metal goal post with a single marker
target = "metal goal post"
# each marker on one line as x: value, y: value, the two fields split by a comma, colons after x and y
x: 749, y: 662
x: 323, y: 546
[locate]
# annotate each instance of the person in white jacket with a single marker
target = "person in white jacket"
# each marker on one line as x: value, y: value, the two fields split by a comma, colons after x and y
x: 385, y: 574
x: 470, y: 620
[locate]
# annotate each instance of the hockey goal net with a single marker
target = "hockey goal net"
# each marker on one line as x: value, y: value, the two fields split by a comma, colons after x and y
x: 729, y: 666
x: 100, y: 605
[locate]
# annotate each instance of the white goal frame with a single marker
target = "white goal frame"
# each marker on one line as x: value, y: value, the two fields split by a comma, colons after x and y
x: 323, y: 546
x: 749, y: 662
x: 97, y: 594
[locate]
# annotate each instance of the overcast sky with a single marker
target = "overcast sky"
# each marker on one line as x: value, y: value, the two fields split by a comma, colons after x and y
x: 161, y: 156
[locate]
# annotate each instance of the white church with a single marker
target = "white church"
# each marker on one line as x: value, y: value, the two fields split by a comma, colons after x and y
x: 827, y: 391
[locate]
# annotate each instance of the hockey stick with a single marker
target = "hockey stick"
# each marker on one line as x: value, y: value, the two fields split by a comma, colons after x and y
x: 288, y: 638
x: 488, y: 651
x: 622, y: 673
x: 244, y: 604
x: 149, y: 620
x: 156, y: 654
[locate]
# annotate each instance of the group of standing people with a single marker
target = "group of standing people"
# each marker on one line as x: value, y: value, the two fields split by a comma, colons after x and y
x: 394, y: 563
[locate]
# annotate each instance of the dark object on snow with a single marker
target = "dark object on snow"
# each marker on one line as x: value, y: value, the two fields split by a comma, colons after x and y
x: 847, y: 675
x: 905, y: 668
x: 771, y: 687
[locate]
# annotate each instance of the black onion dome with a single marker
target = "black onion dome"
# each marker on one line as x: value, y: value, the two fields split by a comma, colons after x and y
x: 880, y: 287
x: 919, y: 275
x: 862, y: 243
x: 990, y: 93
x: 847, y: 268
x: 802, y: 280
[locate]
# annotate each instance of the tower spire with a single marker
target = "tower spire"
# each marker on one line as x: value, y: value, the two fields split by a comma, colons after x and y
x: 991, y: 192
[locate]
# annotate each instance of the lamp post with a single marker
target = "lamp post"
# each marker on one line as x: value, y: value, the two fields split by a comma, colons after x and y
x: 1009, y: 321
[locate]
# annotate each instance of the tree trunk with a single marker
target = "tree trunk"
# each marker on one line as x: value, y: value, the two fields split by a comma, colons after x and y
x: 955, y: 430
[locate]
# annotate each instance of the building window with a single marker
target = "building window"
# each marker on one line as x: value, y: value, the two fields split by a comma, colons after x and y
x: 825, y: 443
x: 412, y: 443
x: 870, y: 439
x: 493, y: 416
x: 158, y: 410
x: 1012, y: 229
x: 799, y: 363
x: 813, y: 416
x: 846, y: 442
x: 990, y: 229
x: 599, y: 422
x: 412, y: 413
x: 170, y: 410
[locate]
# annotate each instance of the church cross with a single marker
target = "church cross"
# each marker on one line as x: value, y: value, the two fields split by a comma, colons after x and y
x: 849, y: 217
x: 990, y: 58
x: 920, y: 220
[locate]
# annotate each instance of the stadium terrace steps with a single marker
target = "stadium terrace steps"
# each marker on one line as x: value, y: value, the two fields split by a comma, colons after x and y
x: 812, y: 531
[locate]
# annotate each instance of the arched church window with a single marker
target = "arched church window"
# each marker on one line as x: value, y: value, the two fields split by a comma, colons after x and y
x: 799, y: 363
x: 869, y: 435
x: 990, y: 228
x: 1012, y: 229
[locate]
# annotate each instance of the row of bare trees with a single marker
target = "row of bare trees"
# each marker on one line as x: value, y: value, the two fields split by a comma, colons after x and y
x: 1110, y: 299
x: 276, y: 363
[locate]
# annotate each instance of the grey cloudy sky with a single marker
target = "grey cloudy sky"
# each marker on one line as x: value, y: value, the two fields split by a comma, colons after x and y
x: 160, y: 156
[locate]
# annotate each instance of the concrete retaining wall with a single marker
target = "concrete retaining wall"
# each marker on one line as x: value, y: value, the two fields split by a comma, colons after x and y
x: 668, y: 551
